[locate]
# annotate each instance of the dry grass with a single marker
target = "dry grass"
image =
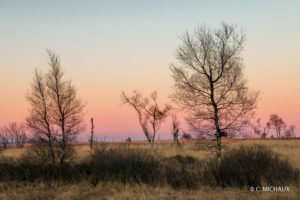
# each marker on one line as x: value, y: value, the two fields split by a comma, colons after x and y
x: 288, y: 149
x: 110, y: 191
x: 202, y: 149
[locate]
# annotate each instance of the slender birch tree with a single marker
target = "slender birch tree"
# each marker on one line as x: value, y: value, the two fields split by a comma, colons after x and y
x: 209, y: 82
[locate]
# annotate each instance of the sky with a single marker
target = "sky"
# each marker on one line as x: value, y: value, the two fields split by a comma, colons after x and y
x: 111, y: 46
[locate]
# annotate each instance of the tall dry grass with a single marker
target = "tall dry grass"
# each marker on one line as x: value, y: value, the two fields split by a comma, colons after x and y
x: 203, y: 149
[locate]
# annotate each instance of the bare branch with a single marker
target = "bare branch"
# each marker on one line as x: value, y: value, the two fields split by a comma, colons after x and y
x: 150, y: 115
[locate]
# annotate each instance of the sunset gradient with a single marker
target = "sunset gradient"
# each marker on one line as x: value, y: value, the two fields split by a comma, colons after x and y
x: 107, y: 47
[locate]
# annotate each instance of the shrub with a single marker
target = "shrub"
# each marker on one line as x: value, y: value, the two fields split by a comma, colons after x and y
x: 126, y: 165
x: 36, y: 164
x: 250, y: 166
x: 247, y: 166
x: 42, y: 154
x: 183, y: 172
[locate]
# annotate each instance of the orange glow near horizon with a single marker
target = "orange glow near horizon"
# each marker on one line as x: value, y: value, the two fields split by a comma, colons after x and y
x: 107, y: 48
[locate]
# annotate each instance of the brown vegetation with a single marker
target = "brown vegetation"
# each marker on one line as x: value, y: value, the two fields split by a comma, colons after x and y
x: 127, y: 179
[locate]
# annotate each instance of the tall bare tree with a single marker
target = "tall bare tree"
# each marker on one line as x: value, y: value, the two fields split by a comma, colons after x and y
x: 39, y: 120
x: 149, y: 114
x: 67, y: 108
x: 209, y: 82
x: 277, y: 124
x: 58, y: 111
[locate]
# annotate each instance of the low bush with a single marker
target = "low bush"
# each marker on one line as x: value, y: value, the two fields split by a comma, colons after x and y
x: 126, y: 165
x: 36, y: 164
x: 243, y: 167
x: 250, y: 166
x: 183, y: 171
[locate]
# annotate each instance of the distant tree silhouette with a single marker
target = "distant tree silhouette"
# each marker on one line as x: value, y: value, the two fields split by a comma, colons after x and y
x: 277, y: 124
x: 150, y: 115
x: 264, y: 134
x: 186, y: 136
x: 4, y: 139
x: 290, y: 131
x: 175, y: 130
x: 257, y: 129
x: 16, y: 134
x: 56, y: 114
x: 209, y: 82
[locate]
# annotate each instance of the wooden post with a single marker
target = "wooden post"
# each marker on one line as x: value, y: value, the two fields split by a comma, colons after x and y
x: 92, y: 133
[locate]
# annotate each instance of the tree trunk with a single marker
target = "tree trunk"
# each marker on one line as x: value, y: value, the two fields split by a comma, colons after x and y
x: 52, y: 153
x: 64, y: 142
x: 152, y: 144
x: 219, y: 151
x: 63, y: 154
x: 217, y: 125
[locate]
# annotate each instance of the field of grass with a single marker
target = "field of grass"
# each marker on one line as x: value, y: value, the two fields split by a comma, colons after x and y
x: 287, y: 149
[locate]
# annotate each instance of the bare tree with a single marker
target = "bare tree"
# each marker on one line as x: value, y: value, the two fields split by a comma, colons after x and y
x: 15, y: 134
x: 39, y: 120
x: 67, y: 108
x: 264, y: 133
x: 209, y: 82
x: 175, y: 130
x: 149, y: 114
x: 290, y: 131
x: 4, y: 139
x: 257, y: 129
x: 58, y: 114
x: 277, y: 124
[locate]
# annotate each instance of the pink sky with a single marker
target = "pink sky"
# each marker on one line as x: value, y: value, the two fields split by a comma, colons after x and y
x: 108, y: 48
